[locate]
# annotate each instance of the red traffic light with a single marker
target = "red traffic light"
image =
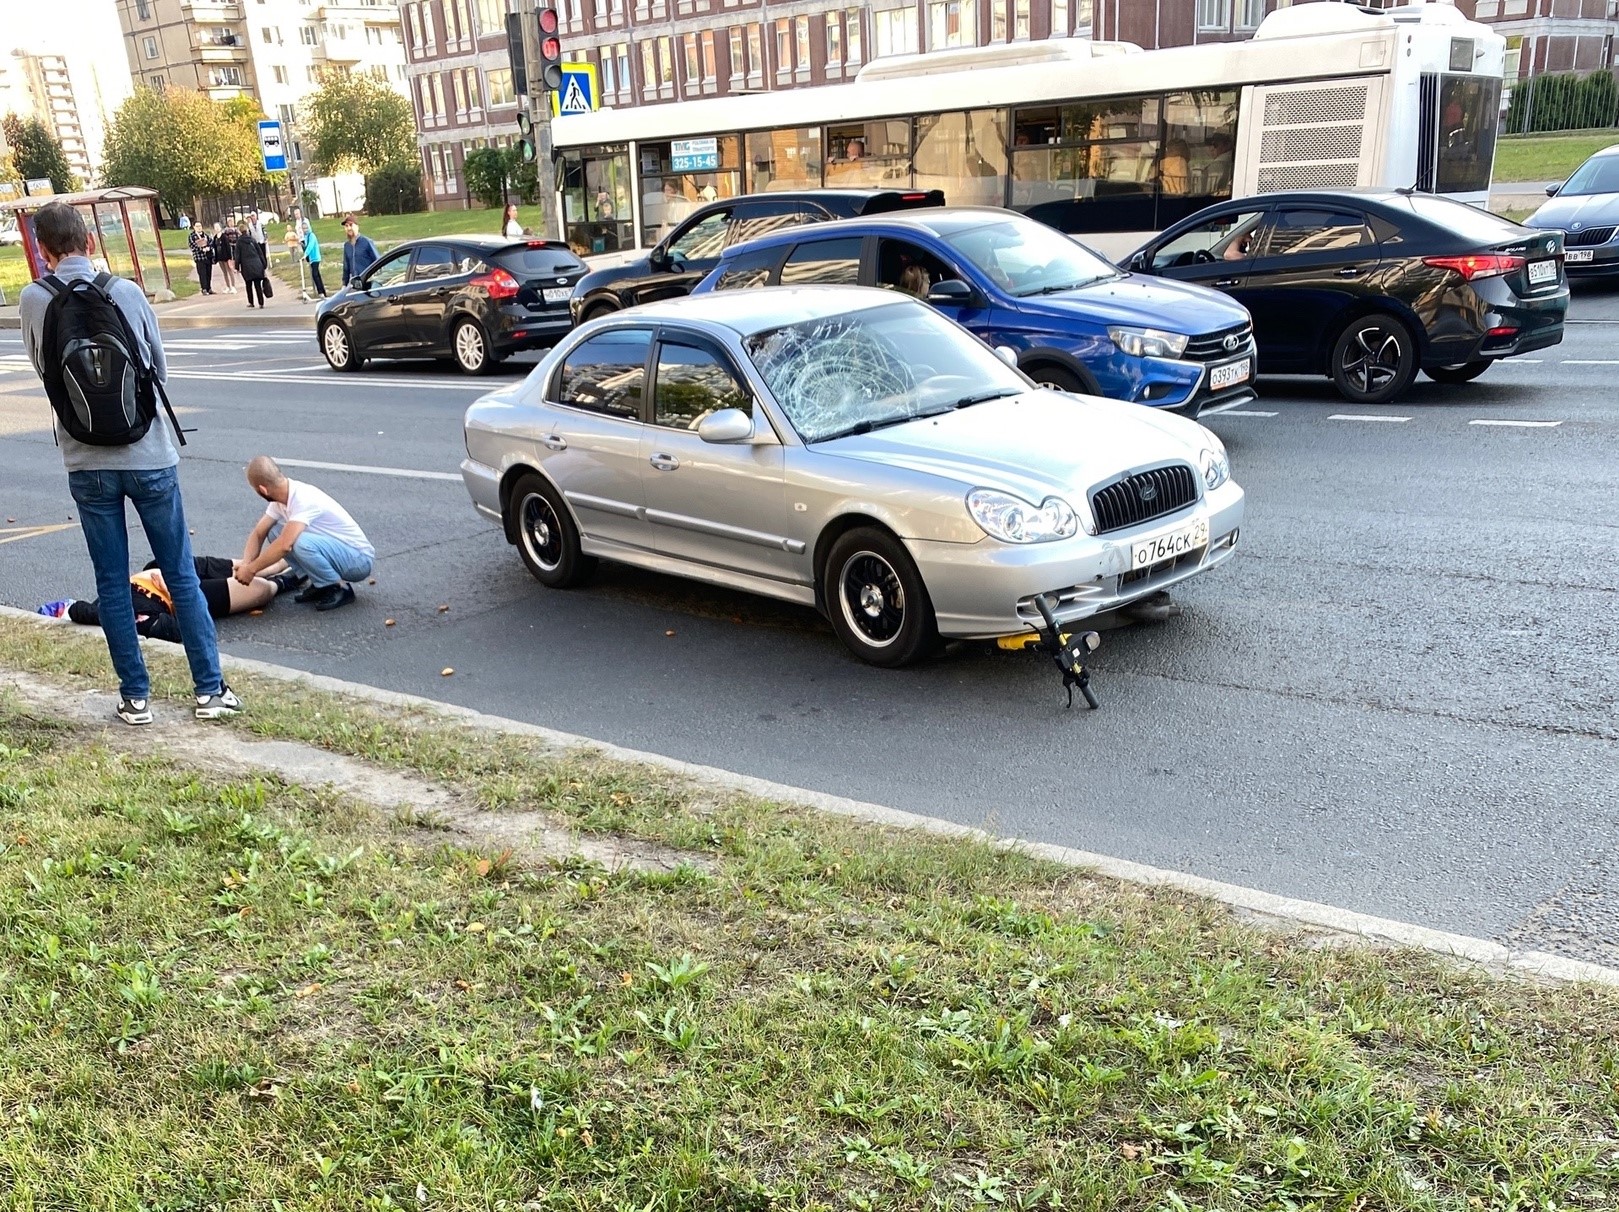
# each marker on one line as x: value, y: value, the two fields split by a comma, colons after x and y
x: 550, y: 48
x: 549, y: 23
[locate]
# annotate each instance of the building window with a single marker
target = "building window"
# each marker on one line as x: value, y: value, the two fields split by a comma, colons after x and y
x: 459, y: 89
x: 1250, y: 13
x: 801, y: 42
x: 756, y: 54
x: 281, y: 75
x: 649, y: 68
x: 498, y: 87
x: 289, y: 116
x: 784, y: 47
x: 415, y: 29
x: 308, y: 35
x: 155, y: 81
x: 149, y: 46
x: 1059, y: 18
x: 694, y: 70
x: 609, y: 81
x: 666, y: 65
x: 269, y: 35
x: 711, y: 69
x: 1082, y: 17
x: 143, y: 10
x: 474, y: 99
x: 852, y: 20
x: 953, y: 23
x: 1214, y: 15
x: 997, y: 20
x: 1020, y: 20
x: 624, y: 67
x: 492, y: 16
x: 738, y: 63
x: 895, y: 30
x: 311, y: 75
x: 834, y: 39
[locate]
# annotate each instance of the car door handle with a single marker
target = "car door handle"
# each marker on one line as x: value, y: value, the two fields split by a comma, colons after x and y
x: 664, y: 462
x: 1228, y: 281
x: 554, y: 442
x: 1349, y: 271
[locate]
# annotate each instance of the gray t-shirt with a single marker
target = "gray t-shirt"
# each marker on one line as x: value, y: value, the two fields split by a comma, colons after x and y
x: 157, y: 449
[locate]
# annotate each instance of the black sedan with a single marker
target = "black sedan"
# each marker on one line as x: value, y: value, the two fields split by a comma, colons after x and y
x: 685, y: 255
x: 1369, y: 286
x: 1585, y: 208
x: 471, y: 299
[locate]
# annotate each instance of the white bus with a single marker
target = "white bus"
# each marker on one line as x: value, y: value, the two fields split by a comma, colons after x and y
x: 1095, y: 138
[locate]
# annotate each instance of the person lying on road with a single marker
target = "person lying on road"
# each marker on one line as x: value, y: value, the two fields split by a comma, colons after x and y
x: 310, y: 531
x: 154, y: 605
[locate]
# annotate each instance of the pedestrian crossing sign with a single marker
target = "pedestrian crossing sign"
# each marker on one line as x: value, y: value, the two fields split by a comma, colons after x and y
x: 578, y: 93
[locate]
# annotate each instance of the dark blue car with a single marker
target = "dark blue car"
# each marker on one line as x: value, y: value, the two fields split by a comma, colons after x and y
x: 1076, y: 321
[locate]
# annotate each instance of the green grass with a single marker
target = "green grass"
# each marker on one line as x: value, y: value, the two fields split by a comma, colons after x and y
x: 1547, y: 157
x: 387, y: 230
x: 224, y: 992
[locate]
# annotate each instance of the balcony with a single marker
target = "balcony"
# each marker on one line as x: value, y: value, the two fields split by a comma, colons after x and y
x: 354, y: 10
x: 219, y: 50
x: 339, y: 50
x: 211, y: 10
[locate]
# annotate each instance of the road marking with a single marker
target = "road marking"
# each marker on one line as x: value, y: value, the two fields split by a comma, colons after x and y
x: 294, y: 370
x: 1591, y: 361
x: 403, y: 472
x: 1520, y: 361
x: 1237, y: 412
x: 1521, y: 424
x: 332, y: 380
x: 1361, y: 416
x: 16, y: 534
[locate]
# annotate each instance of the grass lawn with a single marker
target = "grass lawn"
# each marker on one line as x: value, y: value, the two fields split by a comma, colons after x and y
x: 221, y: 991
x: 1547, y: 157
x: 388, y: 230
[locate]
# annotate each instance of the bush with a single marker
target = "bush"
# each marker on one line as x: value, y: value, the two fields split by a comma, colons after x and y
x: 394, y: 189
x: 1563, y: 101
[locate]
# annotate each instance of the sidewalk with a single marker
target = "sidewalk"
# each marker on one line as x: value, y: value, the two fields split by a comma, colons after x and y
x: 1518, y: 195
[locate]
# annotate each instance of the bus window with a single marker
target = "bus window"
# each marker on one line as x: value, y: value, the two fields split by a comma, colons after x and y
x: 1469, y: 109
x: 669, y: 192
x: 784, y: 159
x: 963, y: 154
x: 1200, y: 132
x: 869, y: 153
x: 595, y: 185
x: 1089, y: 167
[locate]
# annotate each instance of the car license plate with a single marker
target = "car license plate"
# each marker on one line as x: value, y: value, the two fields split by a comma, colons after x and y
x: 1578, y: 256
x: 1541, y: 272
x: 558, y: 294
x: 1228, y: 375
x: 1168, y: 546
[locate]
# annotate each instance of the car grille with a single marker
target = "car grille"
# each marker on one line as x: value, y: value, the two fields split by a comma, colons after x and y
x: 1146, y: 495
x: 1212, y: 346
x: 1588, y: 237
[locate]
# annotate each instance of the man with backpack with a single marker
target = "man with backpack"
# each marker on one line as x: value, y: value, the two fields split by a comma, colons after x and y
x: 94, y: 340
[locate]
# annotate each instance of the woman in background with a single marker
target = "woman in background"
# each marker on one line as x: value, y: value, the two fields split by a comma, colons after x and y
x: 510, y: 226
x: 252, y: 264
x: 225, y: 255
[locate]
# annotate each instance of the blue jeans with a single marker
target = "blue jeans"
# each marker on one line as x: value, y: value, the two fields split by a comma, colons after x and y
x: 156, y: 494
x: 323, y: 559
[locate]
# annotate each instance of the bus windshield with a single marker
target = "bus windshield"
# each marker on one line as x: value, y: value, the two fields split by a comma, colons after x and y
x: 1026, y: 258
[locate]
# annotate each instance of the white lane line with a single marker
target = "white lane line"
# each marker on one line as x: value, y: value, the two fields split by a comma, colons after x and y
x: 1238, y: 412
x: 1520, y: 424
x: 1361, y: 416
x: 344, y: 381
x: 1591, y: 361
x: 294, y: 370
x: 1520, y: 361
x: 403, y: 472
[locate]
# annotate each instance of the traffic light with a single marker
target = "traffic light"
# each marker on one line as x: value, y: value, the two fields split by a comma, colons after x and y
x: 525, y: 129
x: 550, y: 50
x: 515, y: 53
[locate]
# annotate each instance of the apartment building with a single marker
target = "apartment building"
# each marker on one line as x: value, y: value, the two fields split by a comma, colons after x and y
x: 1551, y: 35
x: 274, y: 51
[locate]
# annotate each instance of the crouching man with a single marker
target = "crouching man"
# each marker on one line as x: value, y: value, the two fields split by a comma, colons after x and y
x: 312, y: 532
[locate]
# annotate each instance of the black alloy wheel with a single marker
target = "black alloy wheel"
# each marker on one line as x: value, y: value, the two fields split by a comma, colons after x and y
x: 1462, y: 372
x: 547, y: 538
x: 878, y: 603
x: 1374, y: 360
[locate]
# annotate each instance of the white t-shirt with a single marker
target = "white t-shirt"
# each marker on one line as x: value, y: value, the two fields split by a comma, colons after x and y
x: 513, y: 229
x: 320, y: 514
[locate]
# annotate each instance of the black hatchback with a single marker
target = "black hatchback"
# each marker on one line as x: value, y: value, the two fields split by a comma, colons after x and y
x: 471, y: 299
x: 1369, y: 286
x: 692, y: 247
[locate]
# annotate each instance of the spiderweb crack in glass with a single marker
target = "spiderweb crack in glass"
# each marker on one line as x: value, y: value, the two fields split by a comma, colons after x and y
x: 826, y: 375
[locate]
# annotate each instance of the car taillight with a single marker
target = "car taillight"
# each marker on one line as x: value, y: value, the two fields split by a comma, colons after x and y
x: 499, y: 284
x: 1477, y: 265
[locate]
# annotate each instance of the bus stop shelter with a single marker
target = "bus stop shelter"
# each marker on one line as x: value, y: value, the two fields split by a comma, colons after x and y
x: 124, y: 222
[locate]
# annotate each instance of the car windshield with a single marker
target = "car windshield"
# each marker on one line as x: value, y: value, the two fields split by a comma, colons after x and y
x: 853, y: 373
x: 1025, y: 258
x: 1598, y: 175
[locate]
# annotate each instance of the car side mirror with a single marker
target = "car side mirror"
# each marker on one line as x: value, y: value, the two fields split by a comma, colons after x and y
x: 950, y: 291
x: 726, y: 425
x: 1138, y: 263
x: 1551, y: 190
x: 1007, y: 354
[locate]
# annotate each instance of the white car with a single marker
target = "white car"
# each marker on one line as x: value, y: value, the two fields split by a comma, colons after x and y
x: 9, y: 236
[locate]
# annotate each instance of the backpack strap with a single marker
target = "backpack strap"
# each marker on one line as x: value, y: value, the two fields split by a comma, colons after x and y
x: 53, y: 284
x: 179, y: 433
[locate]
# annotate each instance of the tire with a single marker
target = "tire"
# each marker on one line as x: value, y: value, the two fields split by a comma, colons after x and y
x: 338, y: 347
x: 469, y: 348
x: 1462, y: 372
x: 596, y: 311
x: 547, y: 538
x: 878, y: 604
x: 1374, y: 359
x: 1058, y: 379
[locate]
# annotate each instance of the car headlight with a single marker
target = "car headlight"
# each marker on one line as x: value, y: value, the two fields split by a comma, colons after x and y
x: 1216, y: 466
x: 1148, y: 342
x: 1013, y: 520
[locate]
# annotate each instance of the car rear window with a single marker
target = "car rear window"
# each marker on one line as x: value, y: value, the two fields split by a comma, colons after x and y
x: 1466, y: 221
x: 527, y: 261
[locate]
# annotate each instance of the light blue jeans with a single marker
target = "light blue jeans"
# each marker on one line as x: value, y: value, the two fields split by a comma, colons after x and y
x: 325, y: 560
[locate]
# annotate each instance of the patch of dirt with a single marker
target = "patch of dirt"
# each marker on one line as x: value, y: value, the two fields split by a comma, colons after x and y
x: 534, y: 838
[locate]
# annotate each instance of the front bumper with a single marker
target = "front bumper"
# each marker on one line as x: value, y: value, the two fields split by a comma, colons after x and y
x: 1187, y: 387
x: 1604, y: 262
x: 984, y: 590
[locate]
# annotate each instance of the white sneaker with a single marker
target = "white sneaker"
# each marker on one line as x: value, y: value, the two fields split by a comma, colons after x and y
x: 215, y: 706
x: 134, y: 711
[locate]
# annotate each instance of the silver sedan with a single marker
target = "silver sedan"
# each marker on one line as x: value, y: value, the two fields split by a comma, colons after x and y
x: 851, y: 450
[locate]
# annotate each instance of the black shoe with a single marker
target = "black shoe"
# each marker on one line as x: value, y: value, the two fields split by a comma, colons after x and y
x: 339, y: 595
x: 286, y: 582
x: 311, y: 593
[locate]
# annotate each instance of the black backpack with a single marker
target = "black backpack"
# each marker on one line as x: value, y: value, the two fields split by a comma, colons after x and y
x: 102, y: 393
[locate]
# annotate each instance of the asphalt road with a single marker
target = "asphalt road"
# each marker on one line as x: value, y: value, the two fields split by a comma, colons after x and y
x: 1399, y: 697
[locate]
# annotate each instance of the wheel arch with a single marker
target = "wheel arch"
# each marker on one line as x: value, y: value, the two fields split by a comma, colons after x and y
x: 1383, y: 305
x: 830, y: 534
x: 508, y: 484
x: 1042, y: 356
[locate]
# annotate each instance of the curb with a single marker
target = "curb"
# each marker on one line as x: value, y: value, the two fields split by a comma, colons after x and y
x: 1483, y: 952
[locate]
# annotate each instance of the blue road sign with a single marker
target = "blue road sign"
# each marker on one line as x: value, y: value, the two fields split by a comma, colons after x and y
x: 578, y: 94
x: 273, y: 147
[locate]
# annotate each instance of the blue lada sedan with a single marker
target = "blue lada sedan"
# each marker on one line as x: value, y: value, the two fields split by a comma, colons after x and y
x: 1076, y: 321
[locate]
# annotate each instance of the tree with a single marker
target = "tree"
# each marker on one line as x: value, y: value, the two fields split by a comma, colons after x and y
x: 497, y: 175
x: 357, y: 124
x: 394, y: 189
x: 183, y: 145
x: 38, y: 153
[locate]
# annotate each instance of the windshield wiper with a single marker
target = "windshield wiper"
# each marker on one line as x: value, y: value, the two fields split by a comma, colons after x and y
x: 998, y: 393
x: 1052, y: 290
x: 861, y: 427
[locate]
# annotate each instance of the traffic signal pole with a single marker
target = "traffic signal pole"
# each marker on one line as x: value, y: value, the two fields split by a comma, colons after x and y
x: 534, y: 46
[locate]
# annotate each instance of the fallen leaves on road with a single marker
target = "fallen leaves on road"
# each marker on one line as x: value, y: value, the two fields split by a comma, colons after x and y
x: 445, y: 672
x: 444, y: 609
x: 669, y: 632
x: 387, y: 622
